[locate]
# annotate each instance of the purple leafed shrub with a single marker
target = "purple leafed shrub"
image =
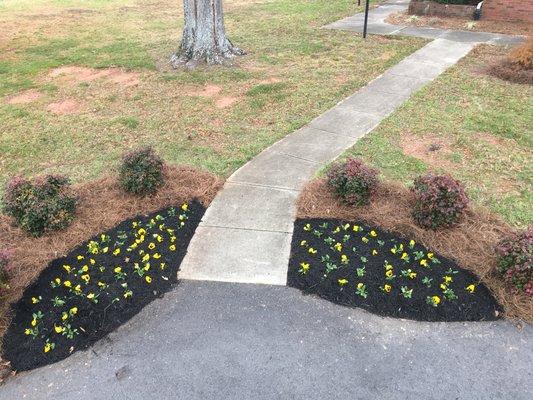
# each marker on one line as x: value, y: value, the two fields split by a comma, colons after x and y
x: 141, y: 172
x: 515, y: 256
x: 353, y: 181
x: 40, y: 205
x: 440, y: 201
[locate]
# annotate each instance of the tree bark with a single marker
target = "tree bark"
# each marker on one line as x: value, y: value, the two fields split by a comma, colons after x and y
x: 204, y: 36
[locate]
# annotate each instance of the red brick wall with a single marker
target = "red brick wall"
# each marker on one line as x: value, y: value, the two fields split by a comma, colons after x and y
x: 508, y: 10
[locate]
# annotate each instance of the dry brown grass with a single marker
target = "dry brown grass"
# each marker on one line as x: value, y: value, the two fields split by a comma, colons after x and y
x: 470, y: 244
x: 517, y: 67
x: 102, y: 205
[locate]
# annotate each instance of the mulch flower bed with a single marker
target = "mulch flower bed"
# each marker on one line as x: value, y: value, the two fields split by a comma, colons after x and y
x: 98, y: 286
x: 353, y: 264
x: 103, y: 206
x: 471, y: 244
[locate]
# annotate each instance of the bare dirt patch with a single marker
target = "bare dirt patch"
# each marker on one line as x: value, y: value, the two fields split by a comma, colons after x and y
x: 28, y: 96
x: 206, y: 91
x: 471, y: 244
x: 83, y: 74
x: 64, y: 107
x: 510, y: 28
x: 225, y: 102
x: 431, y: 150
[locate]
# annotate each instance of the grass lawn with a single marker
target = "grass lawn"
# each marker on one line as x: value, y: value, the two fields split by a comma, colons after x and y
x: 78, y: 121
x: 474, y: 126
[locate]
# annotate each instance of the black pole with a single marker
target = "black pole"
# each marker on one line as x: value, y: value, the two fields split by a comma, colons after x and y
x: 366, y: 18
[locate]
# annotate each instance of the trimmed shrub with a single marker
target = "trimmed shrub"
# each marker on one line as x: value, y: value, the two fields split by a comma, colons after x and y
x: 42, y: 205
x: 353, y: 181
x: 440, y: 201
x: 515, y: 259
x: 5, y: 266
x: 141, y: 172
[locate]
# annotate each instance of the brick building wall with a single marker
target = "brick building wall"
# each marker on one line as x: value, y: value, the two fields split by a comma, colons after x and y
x: 508, y: 10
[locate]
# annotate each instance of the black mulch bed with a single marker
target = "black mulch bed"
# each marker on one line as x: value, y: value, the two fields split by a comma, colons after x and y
x: 118, y: 296
x: 317, y: 267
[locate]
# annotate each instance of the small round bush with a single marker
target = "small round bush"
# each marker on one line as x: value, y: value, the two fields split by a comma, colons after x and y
x: 440, y: 201
x: 141, y: 172
x: 515, y: 259
x: 40, y: 205
x: 353, y: 181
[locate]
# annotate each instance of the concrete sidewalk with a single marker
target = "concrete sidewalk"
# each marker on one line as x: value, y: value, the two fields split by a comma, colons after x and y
x: 378, y: 26
x: 221, y: 341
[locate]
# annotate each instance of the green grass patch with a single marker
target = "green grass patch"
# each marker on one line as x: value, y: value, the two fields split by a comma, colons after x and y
x: 483, y: 127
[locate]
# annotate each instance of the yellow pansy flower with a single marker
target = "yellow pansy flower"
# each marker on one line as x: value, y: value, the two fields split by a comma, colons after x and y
x: 92, y: 261
x: 342, y: 282
x: 373, y: 233
x: 172, y: 247
x: 374, y: 252
x: 387, y: 288
x: 185, y: 207
x: 162, y: 265
x: 73, y: 311
x: 90, y: 296
x: 80, y: 258
x: 304, y: 267
x: 311, y: 250
x: 86, y: 278
x: 64, y: 316
x: 47, y: 347
x: 58, y: 329
x: 34, y: 300
x: 27, y: 331
x: 151, y: 246
x: 146, y: 258
x: 338, y: 247
x: 157, y: 256
x: 365, y: 239
x: 430, y: 255
x: 116, y: 252
x: 436, y: 300
x: 448, y: 279
x: 424, y: 262
x: 389, y: 273
x: 85, y: 268
x: 67, y: 284
x: 141, y: 231
x: 148, y: 279
x: 117, y: 270
x: 67, y: 268
x: 303, y: 242
x: 33, y: 322
x: 344, y: 259
x: 471, y: 288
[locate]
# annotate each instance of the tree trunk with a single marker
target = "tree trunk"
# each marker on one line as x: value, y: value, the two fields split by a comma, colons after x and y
x: 204, y: 37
